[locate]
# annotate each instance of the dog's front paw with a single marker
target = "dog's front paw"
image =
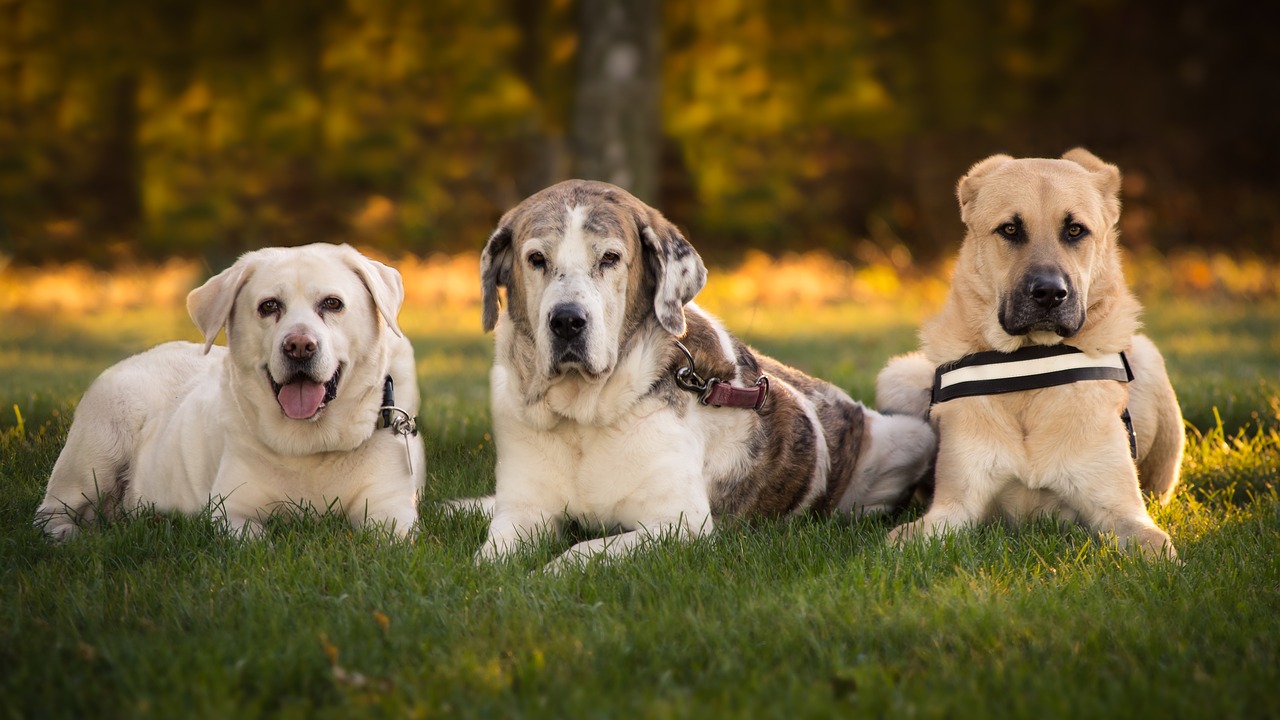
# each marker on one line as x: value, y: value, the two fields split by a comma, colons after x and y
x: 576, y: 558
x: 245, y: 529
x: 568, y: 563
x: 1154, y: 544
x: 481, y: 505
x: 906, y: 532
x: 497, y: 549
x: 57, y: 526
x: 487, y: 554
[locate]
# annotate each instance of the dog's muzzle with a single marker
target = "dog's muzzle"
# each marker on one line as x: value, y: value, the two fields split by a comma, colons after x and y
x: 568, y: 323
x: 1044, y: 301
x: 302, y: 395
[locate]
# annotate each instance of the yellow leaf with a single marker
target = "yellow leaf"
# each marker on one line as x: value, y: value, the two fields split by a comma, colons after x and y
x: 330, y: 650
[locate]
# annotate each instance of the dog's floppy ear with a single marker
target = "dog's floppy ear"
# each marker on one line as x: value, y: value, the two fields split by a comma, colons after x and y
x: 384, y: 284
x: 495, y: 270
x: 967, y: 188
x: 676, y: 267
x: 1105, y: 175
x: 210, y: 304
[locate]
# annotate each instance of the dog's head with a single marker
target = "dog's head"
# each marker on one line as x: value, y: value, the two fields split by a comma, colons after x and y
x: 585, y: 264
x: 1041, y: 237
x: 303, y: 325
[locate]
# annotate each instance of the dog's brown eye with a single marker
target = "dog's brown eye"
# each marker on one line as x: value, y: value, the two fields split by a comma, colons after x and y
x: 1075, y: 230
x: 331, y: 304
x: 537, y: 260
x: 609, y: 259
x: 1009, y: 230
x: 269, y: 307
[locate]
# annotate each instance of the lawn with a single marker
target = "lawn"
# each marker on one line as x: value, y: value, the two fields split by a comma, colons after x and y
x: 164, y: 617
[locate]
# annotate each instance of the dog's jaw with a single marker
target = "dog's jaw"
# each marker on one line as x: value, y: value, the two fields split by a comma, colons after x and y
x: 1041, y: 328
x: 570, y: 366
x: 298, y: 409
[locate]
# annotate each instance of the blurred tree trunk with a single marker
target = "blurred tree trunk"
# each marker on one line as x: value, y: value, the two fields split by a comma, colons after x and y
x: 615, y: 133
x: 114, y: 175
x: 540, y: 156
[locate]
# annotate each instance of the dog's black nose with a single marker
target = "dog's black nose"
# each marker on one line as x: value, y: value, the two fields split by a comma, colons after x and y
x: 567, y: 320
x: 299, y: 346
x: 1047, y: 289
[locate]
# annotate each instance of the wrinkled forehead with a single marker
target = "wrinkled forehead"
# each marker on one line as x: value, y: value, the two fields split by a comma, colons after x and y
x: 1038, y: 191
x: 306, y: 274
x: 556, y: 219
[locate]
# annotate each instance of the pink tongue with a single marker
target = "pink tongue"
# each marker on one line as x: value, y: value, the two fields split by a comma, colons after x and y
x: 302, y: 399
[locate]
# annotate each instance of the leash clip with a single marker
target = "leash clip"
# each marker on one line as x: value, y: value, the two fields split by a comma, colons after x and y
x: 398, y: 420
x: 763, y: 380
x: 687, y: 378
x: 402, y: 424
x: 717, y: 392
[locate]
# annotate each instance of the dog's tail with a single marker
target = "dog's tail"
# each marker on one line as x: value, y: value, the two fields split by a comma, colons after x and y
x: 905, y: 386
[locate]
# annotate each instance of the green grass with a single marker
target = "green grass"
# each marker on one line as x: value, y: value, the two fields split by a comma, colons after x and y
x: 160, y: 616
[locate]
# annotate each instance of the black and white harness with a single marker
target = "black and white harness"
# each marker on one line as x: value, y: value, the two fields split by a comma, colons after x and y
x: 1030, y: 368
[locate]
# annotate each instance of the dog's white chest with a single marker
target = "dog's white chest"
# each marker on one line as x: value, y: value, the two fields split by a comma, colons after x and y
x: 615, y: 476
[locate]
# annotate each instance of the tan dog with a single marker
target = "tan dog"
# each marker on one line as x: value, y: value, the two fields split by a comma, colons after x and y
x: 594, y: 421
x: 1039, y: 269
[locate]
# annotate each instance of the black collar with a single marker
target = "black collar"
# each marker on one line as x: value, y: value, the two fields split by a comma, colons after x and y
x: 391, y: 416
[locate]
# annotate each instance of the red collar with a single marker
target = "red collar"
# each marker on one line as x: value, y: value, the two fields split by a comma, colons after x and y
x: 720, y: 393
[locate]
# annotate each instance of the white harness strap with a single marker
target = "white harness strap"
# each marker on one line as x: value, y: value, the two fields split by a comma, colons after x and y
x: 1031, y: 368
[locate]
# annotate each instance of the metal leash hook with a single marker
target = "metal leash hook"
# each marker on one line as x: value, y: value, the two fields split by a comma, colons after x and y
x: 397, y: 419
x: 402, y: 424
x: 763, y: 380
x: 687, y: 377
x: 717, y: 392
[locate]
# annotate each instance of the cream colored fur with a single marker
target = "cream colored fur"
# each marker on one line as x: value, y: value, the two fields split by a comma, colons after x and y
x: 184, y: 425
x: 1061, y: 451
x: 611, y: 442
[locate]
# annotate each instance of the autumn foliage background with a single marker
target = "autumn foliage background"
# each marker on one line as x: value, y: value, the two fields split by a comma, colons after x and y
x: 145, y: 130
x: 809, y: 149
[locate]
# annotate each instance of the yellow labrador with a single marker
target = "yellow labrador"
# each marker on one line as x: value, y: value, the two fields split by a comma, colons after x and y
x: 311, y: 402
